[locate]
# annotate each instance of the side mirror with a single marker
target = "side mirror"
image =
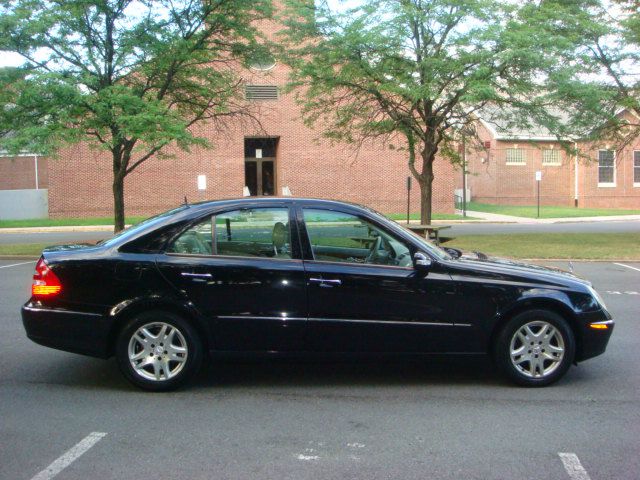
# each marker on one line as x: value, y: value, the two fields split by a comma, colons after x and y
x: 454, y: 252
x: 421, y: 261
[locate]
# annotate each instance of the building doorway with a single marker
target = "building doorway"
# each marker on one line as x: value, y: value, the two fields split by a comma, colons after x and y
x: 260, y: 165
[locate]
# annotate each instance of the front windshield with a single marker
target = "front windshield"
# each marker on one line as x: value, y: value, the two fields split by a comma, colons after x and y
x: 432, y: 248
x: 140, y: 226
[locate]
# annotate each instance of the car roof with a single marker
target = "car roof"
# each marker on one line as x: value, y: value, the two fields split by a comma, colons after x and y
x: 267, y: 199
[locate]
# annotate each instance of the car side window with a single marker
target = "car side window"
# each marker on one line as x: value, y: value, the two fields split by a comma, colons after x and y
x: 196, y: 240
x: 342, y: 237
x: 253, y: 232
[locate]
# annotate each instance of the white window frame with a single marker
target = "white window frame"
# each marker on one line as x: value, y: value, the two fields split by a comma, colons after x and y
x: 636, y: 153
x: 522, y: 156
x: 607, y: 184
x: 557, y: 162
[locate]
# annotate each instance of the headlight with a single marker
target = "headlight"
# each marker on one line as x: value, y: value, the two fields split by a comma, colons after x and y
x: 597, y: 296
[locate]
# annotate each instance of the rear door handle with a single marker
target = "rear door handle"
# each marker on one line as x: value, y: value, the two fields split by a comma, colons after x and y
x: 326, y: 282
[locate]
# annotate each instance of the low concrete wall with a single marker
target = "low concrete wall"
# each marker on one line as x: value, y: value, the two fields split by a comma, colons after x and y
x: 23, y: 204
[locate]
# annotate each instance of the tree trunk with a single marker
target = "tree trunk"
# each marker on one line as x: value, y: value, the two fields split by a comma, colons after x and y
x: 118, y: 203
x: 426, y: 191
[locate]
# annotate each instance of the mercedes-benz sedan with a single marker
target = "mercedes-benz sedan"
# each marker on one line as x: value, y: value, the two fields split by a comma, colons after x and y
x: 280, y: 276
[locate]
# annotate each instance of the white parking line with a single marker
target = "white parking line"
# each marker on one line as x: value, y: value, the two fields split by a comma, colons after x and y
x: 16, y: 264
x: 573, y: 466
x: 628, y: 266
x: 69, y: 456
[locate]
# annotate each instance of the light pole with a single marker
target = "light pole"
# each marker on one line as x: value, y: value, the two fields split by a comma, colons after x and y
x: 464, y: 174
x: 465, y: 130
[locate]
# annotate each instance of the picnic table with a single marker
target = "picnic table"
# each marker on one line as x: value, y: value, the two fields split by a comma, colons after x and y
x: 365, y: 241
x: 428, y: 230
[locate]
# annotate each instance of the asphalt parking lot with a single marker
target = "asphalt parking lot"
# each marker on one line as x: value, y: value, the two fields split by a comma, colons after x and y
x: 76, y: 416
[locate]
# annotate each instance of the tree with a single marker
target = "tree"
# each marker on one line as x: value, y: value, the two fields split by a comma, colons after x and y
x: 596, y: 74
x: 414, y: 69
x: 127, y: 76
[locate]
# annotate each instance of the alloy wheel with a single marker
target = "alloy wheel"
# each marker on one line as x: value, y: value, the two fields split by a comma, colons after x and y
x: 537, y: 349
x: 157, y: 351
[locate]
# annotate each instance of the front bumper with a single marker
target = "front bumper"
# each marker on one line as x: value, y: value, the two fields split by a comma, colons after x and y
x: 77, y: 332
x: 593, y: 342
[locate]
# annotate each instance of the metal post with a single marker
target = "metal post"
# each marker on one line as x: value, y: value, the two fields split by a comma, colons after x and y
x: 408, y: 198
x: 36, y: 166
x: 538, y: 182
x: 464, y: 175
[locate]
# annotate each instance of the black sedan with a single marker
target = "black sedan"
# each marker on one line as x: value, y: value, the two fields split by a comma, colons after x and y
x: 279, y: 276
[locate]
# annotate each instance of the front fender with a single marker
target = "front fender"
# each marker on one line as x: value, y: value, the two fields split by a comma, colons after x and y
x: 537, y: 298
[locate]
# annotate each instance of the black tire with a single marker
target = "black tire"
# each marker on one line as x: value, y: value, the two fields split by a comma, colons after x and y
x: 531, y: 373
x: 179, y: 372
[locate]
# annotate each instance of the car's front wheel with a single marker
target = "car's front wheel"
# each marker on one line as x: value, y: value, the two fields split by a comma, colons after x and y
x: 158, y: 351
x: 535, y: 348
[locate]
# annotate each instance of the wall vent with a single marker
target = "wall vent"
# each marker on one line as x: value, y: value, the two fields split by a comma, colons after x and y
x: 261, y: 92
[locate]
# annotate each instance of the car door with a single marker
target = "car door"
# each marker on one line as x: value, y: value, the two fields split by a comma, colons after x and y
x: 242, y: 270
x: 364, y: 293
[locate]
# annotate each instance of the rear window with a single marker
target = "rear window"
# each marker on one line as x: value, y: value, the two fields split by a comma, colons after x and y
x: 134, y: 230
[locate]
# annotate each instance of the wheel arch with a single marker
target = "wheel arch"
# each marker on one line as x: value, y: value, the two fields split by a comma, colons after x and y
x: 122, y: 313
x: 543, y: 303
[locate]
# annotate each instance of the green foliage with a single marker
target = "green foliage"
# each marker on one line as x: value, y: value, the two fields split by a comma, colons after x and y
x: 127, y: 76
x: 413, y: 69
x: 595, y: 45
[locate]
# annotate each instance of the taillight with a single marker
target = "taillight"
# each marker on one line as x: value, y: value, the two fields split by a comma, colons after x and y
x: 45, y: 283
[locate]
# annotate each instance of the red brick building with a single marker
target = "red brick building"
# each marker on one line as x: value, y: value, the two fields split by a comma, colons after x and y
x: 503, y: 170
x: 283, y: 154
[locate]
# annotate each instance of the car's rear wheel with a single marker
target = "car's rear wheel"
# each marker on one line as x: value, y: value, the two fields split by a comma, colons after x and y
x: 535, y: 348
x: 158, y: 351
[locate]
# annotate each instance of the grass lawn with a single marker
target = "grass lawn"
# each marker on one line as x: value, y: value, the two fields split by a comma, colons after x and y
x: 65, y: 222
x: 530, y: 211
x: 25, y: 249
x: 588, y: 246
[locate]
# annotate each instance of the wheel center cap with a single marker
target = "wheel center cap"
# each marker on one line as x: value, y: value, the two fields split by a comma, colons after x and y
x: 159, y: 350
x: 537, y: 349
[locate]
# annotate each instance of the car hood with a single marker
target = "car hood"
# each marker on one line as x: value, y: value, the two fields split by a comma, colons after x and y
x: 514, y: 267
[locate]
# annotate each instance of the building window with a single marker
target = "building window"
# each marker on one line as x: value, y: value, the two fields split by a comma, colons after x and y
x: 515, y: 156
x: 261, y: 92
x: 262, y: 61
x: 636, y: 168
x: 551, y: 157
x: 606, y: 168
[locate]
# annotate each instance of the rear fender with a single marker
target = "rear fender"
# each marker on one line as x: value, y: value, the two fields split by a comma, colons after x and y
x: 127, y: 309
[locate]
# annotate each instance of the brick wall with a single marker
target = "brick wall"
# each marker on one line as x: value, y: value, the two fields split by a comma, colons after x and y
x: 375, y: 176
x: 18, y: 173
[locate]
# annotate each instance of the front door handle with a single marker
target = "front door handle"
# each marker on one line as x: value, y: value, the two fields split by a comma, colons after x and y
x: 326, y: 283
x: 197, y: 277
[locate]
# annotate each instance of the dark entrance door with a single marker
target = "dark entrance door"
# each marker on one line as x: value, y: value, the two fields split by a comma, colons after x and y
x: 260, y: 166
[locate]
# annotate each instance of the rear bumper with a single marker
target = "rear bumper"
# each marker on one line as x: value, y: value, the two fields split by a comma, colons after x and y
x: 72, y: 331
x: 594, y: 341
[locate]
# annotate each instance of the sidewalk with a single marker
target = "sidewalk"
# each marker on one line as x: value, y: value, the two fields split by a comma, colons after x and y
x: 497, y: 218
